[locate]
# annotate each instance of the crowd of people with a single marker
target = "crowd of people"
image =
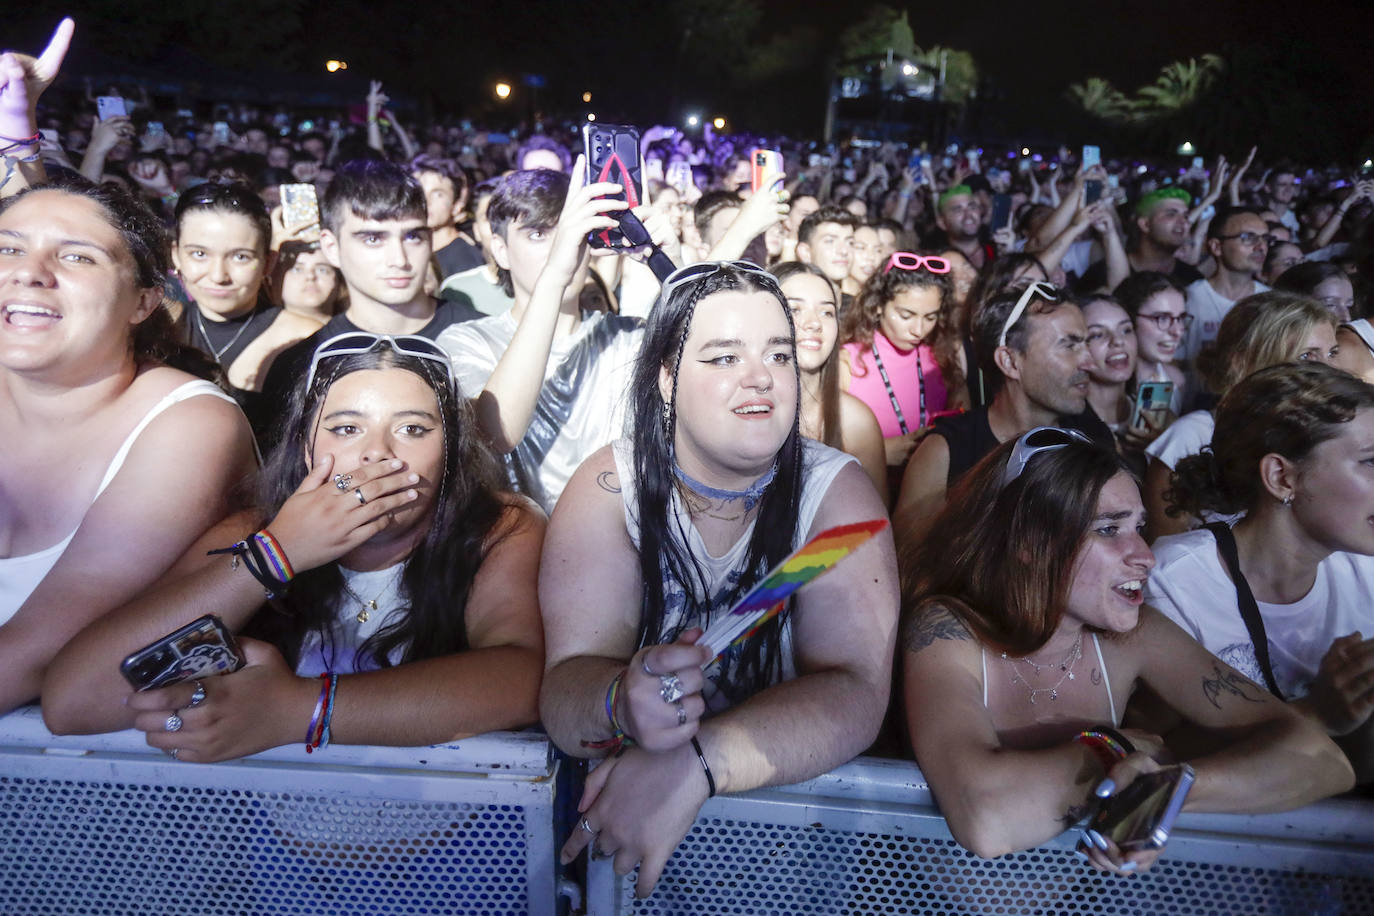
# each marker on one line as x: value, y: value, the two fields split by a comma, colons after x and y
x: 447, y: 467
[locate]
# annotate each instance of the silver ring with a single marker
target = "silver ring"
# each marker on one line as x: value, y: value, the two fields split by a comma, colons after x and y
x: 198, y: 696
x: 586, y: 825
x: 173, y: 723
x: 362, y: 500
x: 342, y: 481
x: 670, y: 688
x: 681, y: 712
x: 173, y: 753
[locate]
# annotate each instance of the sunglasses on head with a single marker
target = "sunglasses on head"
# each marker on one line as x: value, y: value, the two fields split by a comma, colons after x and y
x: 1032, y: 443
x: 700, y: 271
x: 358, y: 342
x: 906, y: 260
x: 1047, y: 291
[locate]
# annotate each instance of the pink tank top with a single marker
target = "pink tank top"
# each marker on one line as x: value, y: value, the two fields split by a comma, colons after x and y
x: 866, y: 383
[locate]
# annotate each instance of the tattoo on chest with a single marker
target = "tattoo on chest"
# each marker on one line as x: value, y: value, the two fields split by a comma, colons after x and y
x: 1225, y: 681
x: 608, y: 481
x: 926, y: 626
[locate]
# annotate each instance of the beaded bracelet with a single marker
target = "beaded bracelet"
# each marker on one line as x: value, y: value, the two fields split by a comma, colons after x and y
x: 706, y: 768
x: 619, y: 739
x: 1107, y: 743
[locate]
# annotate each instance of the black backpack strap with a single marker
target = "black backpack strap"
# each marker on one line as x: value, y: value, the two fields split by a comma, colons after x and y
x: 1245, y: 599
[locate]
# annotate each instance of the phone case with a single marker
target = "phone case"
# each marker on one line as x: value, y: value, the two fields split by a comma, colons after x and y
x: 110, y: 106
x: 300, y: 207
x: 613, y: 155
x: 1142, y: 815
x: 1092, y: 155
x: 202, y: 648
x: 765, y: 163
x: 1152, y: 396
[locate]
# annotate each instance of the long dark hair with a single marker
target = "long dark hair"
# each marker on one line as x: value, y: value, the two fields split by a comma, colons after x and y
x: 439, y: 573
x: 830, y: 370
x: 663, y: 552
x: 154, y: 339
x: 1003, y: 560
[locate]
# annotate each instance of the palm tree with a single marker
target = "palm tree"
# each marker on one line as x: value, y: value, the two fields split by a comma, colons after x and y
x: 1101, y: 99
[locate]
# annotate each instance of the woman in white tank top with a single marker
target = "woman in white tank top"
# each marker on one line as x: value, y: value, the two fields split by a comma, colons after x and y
x: 113, y: 461
x: 661, y: 533
x: 1025, y: 638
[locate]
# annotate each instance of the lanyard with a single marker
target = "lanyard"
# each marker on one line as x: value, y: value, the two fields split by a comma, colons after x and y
x: 892, y: 395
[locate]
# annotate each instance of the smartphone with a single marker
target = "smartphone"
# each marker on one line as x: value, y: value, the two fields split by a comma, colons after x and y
x: 1142, y: 815
x: 1092, y: 155
x: 1113, y: 181
x: 155, y: 128
x: 612, y: 152
x: 1197, y: 162
x: 1151, y: 396
x: 110, y: 106
x: 202, y: 648
x: 1092, y: 191
x: 1001, y: 210
x: 221, y: 133
x: 1024, y: 165
x: 300, y: 207
x: 767, y: 165
x: 653, y: 168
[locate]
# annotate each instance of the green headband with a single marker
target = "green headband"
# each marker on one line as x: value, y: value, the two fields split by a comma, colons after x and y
x: 1147, y: 203
x: 953, y: 192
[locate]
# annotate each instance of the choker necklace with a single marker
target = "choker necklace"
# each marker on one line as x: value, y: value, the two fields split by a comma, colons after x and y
x: 751, y: 496
x: 1065, y: 665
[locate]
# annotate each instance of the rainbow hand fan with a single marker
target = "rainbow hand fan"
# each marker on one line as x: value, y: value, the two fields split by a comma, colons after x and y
x: 816, y: 556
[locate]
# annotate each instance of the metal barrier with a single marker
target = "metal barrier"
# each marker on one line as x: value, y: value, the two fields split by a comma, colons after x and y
x: 867, y: 839
x: 103, y: 824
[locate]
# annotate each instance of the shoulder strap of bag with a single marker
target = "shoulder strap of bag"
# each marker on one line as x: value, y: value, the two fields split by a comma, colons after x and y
x: 1245, y: 599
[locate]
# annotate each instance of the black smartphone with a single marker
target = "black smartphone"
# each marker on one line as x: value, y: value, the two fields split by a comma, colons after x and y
x: 1001, y: 210
x: 1092, y: 191
x: 202, y: 648
x: 612, y: 152
x: 1142, y: 815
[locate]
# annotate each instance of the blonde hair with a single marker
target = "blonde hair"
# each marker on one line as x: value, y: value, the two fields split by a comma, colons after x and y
x: 1260, y: 331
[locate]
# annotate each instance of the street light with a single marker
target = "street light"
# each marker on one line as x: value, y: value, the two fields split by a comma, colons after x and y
x: 693, y: 120
x: 586, y: 96
x: 909, y: 69
x: 1186, y: 148
x: 591, y: 116
x: 334, y: 66
x: 503, y: 90
x: 718, y: 123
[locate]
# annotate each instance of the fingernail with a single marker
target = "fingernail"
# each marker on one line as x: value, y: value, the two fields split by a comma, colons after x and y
x: 413, y: 478
x: 1082, y: 855
x: 1097, y: 840
x: 1105, y: 787
x: 397, y: 463
x: 411, y: 494
x: 1129, y: 866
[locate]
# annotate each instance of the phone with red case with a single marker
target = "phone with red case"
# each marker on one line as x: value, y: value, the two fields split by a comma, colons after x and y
x: 612, y: 152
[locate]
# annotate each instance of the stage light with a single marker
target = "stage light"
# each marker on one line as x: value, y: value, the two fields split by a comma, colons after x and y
x: 503, y: 90
x: 334, y: 66
x: 693, y: 120
x: 718, y: 123
x: 1186, y: 148
x: 586, y: 96
x: 590, y: 116
x: 909, y: 69
x: 1025, y: 151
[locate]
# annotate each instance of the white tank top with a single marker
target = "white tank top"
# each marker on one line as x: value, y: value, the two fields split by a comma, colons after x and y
x: 19, y: 576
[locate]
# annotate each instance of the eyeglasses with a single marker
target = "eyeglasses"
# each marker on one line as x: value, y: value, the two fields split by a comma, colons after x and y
x: 357, y: 342
x: 701, y: 270
x: 1047, y: 291
x: 906, y: 260
x: 1032, y: 443
x: 1164, y: 321
x: 1247, y: 238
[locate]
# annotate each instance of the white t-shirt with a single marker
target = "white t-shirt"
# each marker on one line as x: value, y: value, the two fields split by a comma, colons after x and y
x: 581, y: 406
x: 820, y: 464
x: 1208, y: 308
x: 1185, y: 436
x: 336, y: 651
x: 1190, y: 585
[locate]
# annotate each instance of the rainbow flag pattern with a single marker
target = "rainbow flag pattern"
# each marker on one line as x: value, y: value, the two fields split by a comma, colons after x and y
x: 814, y: 558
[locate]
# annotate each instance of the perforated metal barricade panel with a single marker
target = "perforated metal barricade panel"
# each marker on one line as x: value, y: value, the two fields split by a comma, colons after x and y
x: 868, y: 840
x: 120, y: 829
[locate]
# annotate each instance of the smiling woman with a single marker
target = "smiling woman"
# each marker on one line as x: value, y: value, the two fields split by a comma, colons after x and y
x: 114, y: 462
x: 407, y: 576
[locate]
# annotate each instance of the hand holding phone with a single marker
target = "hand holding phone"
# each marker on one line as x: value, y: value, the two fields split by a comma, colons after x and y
x: 1092, y: 155
x: 766, y: 170
x: 203, y: 648
x: 612, y: 155
x: 1151, y: 397
x: 110, y: 106
x: 1141, y: 816
x: 300, y: 212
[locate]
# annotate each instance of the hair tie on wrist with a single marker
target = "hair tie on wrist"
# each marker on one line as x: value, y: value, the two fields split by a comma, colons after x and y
x: 706, y: 768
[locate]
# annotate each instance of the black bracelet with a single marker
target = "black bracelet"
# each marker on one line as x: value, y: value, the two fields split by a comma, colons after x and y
x: 248, y: 551
x: 706, y: 768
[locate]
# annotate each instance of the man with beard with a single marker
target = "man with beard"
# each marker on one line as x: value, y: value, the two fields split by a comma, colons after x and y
x: 960, y: 215
x: 1031, y: 344
x: 1161, y: 227
x: 1236, y: 240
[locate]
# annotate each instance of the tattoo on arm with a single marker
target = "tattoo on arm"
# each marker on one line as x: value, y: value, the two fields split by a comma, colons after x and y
x: 608, y: 481
x: 930, y: 623
x: 1227, y: 680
